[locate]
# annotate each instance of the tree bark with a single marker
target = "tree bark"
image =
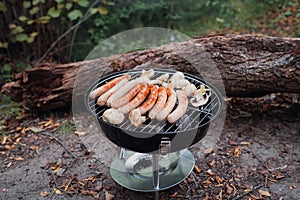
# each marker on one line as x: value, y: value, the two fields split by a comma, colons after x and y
x: 250, y: 65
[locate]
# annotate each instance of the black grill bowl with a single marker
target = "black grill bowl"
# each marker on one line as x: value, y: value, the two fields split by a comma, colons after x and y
x: 147, y: 139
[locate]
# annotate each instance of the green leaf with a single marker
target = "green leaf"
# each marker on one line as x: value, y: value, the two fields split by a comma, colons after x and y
x: 26, y: 4
x: 69, y: 6
x: 29, y: 22
x: 288, y: 13
x: 59, y: 1
x: 33, y: 34
x: 74, y: 14
x: 34, y: 10
x: 21, y: 37
x: 35, y: 2
x: 83, y: 3
x: 44, y: 19
x: 2, y: 7
x: 4, y: 45
x: 60, y: 6
x: 93, y: 10
x: 102, y: 10
x: 17, y: 29
x: 23, y: 18
x: 54, y: 13
x: 29, y: 39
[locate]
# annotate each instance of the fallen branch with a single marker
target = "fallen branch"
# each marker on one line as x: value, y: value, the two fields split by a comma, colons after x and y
x: 57, y: 140
x: 248, y: 192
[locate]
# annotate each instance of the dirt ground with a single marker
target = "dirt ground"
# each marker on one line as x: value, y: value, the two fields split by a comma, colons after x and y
x: 256, y: 157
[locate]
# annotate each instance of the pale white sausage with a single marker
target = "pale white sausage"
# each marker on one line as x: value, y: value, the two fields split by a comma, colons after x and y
x: 104, y: 97
x: 181, y: 108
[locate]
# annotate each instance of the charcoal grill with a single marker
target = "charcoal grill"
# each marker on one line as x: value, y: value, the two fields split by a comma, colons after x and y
x: 154, y: 156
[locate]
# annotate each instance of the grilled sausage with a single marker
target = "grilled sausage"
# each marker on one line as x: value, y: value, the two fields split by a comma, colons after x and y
x: 136, y: 101
x: 168, y: 107
x: 103, y: 98
x: 181, y: 108
x: 100, y: 90
x: 125, y: 99
x: 125, y: 89
x: 162, y: 98
x: 149, y: 103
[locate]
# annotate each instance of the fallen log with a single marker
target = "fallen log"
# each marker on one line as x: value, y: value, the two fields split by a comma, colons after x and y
x: 250, y: 65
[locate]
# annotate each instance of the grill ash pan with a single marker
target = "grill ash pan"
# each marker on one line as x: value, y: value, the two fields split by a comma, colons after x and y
x: 187, y: 131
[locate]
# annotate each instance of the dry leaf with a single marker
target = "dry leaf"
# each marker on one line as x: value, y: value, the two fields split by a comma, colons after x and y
x: 8, y: 165
x: 219, y: 180
x: 209, y: 172
x: 264, y: 193
x: 4, y: 140
x: 109, y: 196
x: 18, y: 158
x: 9, y: 147
x: 80, y: 133
x: 33, y: 147
x: 18, y: 129
x: 209, y: 150
x: 206, y: 184
x: 237, y: 151
x: 293, y: 187
x: 44, y: 194
x: 57, y: 191
x: 197, y: 169
x: 212, y: 163
x: 229, y: 189
x: 278, y: 175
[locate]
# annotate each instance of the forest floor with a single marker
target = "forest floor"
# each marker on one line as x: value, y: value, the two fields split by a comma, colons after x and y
x: 256, y: 157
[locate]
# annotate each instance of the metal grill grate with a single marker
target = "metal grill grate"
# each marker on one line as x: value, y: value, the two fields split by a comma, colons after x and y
x: 193, y: 118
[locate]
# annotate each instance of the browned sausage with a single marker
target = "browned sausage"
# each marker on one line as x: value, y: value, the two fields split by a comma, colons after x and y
x: 125, y: 99
x: 149, y: 103
x: 168, y: 107
x: 136, y: 101
x: 162, y: 98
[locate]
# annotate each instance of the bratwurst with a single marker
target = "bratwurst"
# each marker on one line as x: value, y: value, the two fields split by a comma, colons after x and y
x: 136, y: 101
x: 181, y: 107
x: 100, y: 90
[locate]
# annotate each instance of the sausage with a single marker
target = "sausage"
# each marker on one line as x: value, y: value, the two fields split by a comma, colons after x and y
x: 162, y: 98
x: 100, y: 90
x: 126, y: 88
x: 125, y: 99
x: 136, y: 101
x: 149, y: 103
x: 103, y: 98
x: 181, y: 108
x: 169, y: 105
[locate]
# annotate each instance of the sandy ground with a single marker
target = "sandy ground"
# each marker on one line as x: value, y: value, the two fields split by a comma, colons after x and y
x: 258, y: 151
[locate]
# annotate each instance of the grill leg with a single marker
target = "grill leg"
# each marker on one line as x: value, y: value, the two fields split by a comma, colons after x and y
x: 155, y: 167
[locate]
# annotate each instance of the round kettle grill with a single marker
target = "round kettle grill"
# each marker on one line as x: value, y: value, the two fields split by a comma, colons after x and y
x: 154, y: 156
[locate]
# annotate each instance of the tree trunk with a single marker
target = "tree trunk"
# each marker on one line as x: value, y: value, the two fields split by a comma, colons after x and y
x: 249, y: 65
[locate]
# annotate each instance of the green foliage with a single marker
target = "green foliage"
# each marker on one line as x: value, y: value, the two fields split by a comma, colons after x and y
x: 9, y: 109
x: 30, y: 27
